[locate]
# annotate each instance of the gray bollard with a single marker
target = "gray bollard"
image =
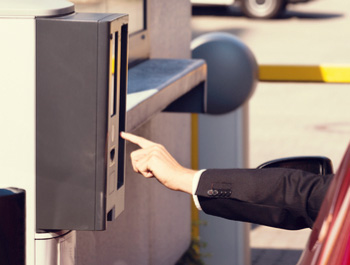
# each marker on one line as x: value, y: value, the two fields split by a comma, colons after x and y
x: 223, y: 139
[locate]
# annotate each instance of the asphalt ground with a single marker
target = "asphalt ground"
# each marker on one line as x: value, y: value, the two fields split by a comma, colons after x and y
x: 291, y: 118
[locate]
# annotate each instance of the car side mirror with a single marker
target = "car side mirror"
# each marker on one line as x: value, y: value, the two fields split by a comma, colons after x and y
x: 315, y: 164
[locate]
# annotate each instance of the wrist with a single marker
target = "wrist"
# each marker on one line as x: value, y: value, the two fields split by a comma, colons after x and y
x: 185, y: 185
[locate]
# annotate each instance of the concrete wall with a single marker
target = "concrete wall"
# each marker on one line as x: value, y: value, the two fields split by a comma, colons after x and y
x: 155, y: 225
x: 170, y: 28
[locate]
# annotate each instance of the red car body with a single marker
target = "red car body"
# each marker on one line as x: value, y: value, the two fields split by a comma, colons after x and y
x: 329, y: 242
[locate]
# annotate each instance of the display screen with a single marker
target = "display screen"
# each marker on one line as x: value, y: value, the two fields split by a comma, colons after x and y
x: 135, y: 9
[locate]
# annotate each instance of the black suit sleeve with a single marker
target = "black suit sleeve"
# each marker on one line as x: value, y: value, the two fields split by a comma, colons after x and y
x: 282, y: 198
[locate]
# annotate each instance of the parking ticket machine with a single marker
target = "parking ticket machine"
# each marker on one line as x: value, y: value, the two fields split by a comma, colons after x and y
x: 63, y: 104
x: 81, y: 75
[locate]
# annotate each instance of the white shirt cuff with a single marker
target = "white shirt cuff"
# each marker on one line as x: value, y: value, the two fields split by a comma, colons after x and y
x: 195, y: 182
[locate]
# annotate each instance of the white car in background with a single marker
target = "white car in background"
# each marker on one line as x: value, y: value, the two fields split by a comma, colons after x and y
x: 254, y: 8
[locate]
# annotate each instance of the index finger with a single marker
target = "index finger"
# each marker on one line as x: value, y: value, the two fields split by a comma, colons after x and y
x: 140, y: 141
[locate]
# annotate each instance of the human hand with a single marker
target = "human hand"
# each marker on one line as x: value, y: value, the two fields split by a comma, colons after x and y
x: 153, y: 160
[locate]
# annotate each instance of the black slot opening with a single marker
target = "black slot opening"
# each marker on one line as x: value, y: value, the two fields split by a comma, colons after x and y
x: 112, y: 155
x: 111, y: 215
x: 122, y: 103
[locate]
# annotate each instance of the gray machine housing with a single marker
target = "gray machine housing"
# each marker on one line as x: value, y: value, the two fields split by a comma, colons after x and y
x: 81, y: 77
